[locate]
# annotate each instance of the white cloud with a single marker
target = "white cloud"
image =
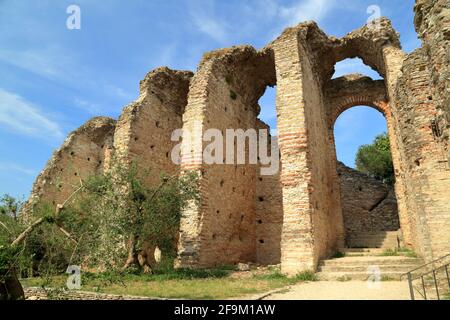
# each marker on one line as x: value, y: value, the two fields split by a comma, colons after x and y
x: 247, y: 19
x: 7, y: 166
x: 305, y: 10
x: 51, y: 62
x: 207, y: 22
x: 23, y: 117
x: 91, y: 108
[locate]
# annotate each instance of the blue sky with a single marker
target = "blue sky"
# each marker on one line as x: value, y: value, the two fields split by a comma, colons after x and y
x: 53, y: 79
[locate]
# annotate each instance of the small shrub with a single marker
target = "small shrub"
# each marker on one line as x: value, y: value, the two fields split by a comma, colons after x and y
x: 338, y: 254
x: 306, y: 276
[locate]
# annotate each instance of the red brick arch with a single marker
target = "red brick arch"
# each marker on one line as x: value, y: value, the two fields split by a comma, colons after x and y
x: 341, y: 105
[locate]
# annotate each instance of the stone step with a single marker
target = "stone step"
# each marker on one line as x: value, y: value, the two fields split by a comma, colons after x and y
x: 352, y: 275
x: 362, y: 267
x: 356, y: 252
x: 401, y: 268
x: 372, y: 260
x: 387, y: 239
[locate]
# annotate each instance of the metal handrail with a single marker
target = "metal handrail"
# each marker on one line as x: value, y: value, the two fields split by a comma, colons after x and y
x: 425, y: 265
x: 422, y: 275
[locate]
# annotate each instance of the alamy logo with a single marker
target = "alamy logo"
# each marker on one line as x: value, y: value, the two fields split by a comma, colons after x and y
x: 73, y: 21
x: 236, y: 146
x: 74, y: 278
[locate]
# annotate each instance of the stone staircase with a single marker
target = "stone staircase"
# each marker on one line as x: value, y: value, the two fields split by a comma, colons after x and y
x: 360, y: 264
x: 381, y: 239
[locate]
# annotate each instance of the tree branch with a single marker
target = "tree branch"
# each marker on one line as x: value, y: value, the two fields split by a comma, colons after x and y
x: 26, y: 232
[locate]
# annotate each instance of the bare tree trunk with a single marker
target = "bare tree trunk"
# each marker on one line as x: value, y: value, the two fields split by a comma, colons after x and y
x: 10, y: 287
x: 132, y: 256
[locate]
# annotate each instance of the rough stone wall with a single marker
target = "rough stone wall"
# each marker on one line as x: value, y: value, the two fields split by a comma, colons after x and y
x: 269, y: 215
x: 368, y: 205
x: 312, y: 223
x: 143, y: 131
x: 241, y: 214
x: 432, y: 22
x: 426, y: 175
x: 224, y: 95
x: 84, y: 152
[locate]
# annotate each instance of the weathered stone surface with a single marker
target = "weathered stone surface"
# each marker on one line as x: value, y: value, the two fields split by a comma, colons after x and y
x: 368, y: 205
x: 85, y: 152
x: 304, y: 213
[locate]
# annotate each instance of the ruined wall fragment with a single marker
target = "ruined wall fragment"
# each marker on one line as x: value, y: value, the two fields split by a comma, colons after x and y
x: 368, y: 205
x: 224, y: 94
x: 269, y: 214
x: 144, y: 129
x: 426, y: 173
x: 85, y: 152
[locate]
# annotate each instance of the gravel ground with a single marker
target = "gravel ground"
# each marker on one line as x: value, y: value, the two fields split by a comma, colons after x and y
x: 349, y: 290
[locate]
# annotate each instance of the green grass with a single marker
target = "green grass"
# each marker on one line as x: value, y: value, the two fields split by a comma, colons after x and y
x: 181, y: 283
x: 399, y: 252
x: 338, y: 254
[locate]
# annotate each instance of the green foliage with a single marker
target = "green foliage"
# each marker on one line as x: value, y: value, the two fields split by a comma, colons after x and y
x: 116, y: 207
x: 10, y: 206
x: 306, y: 276
x: 375, y: 159
x: 399, y: 252
x: 338, y: 254
x: 94, y: 226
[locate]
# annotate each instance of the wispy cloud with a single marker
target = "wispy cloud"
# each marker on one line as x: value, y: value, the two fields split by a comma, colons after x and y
x: 305, y: 10
x: 206, y: 21
x: 248, y: 18
x: 51, y: 62
x: 23, y: 117
x: 8, y: 166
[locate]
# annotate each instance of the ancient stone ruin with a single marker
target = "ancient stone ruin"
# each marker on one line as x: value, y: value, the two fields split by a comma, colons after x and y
x: 314, y: 206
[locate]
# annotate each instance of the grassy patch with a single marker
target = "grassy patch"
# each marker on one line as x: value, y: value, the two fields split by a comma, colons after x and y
x: 338, y: 254
x: 344, y: 278
x: 399, y: 252
x: 181, y: 283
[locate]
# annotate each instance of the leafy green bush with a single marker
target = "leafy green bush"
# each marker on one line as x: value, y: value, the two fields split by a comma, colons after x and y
x: 375, y: 159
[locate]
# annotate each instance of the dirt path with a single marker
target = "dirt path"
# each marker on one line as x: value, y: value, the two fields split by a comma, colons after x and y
x: 350, y: 290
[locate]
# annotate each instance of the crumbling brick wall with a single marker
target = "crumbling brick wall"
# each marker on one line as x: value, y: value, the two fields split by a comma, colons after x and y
x: 224, y: 95
x: 368, y: 205
x: 143, y: 131
x: 269, y: 214
x: 298, y: 213
x: 84, y: 152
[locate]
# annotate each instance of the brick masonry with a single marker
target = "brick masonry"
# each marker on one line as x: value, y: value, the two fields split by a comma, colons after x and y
x: 300, y: 216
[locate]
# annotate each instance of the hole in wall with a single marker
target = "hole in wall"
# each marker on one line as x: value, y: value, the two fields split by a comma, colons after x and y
x: 221, y: 183
x: 354, y: 65
x: 157, y: 124
x: 259, y: 221
x: 261, y: 241
x: 261, y: 199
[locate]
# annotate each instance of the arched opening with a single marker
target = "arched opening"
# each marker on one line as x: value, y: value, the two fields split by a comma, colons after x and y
x: 354, y: 65
x: 368, y: 202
